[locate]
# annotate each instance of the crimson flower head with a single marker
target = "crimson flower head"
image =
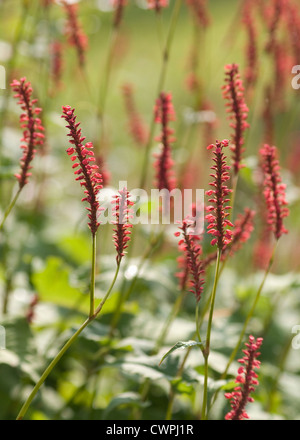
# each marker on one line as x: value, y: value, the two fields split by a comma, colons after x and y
x: 233, y: 92
x: 85, y: 168
x: 247, y: 380
x: 74, y: 32
x: 157, y: 4
x: 164, y: 114
x: 274, y: 191
x: 192, y: 261
x: 218, y: 211
x: 33, y: 130
x: 122, y: 212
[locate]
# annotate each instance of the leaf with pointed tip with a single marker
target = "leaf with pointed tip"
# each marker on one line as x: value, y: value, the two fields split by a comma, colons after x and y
x: 180, y: 345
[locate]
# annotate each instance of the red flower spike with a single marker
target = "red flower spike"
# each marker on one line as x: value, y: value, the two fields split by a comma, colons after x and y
x: 31, y: 124
x: 233, y: 92
x: 122, y: 212
x: 191, y: 262
x: 86, y: 171
x: 199, y: 10
x: 218, y: 211
x: 274, y: 191
x: 164, y: 113
x: 247, y: 380
x: 157, y: 4
x: 137, y: 128
x: 74, y: 32
x: 251, y: 72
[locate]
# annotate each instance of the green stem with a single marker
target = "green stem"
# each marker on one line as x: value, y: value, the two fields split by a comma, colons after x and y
x: 93, y: 276
x: 246, y: 322
x: 64, y: 349
x: 208, y: 337
x: 9, y: 209
x: 161, y: 81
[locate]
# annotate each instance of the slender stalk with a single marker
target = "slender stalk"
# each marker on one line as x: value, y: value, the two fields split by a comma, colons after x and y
x: 67, y: 345
x: 161, y: 81
x: 208, y: 336
x: 93, y: 276
x: 10, y: 208
x: 246, y: 322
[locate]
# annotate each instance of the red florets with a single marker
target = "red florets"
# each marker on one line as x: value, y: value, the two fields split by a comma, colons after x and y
x: 164, y: 113
x: 191, y: 263
x: 31, y: 124
x: 247, y: 378
x: 157, y: 4
x: 74, y: 32
x: 122, y: 212
x: 137, y: 128
x: 86, y: 170
x: 234, y: 94
x: 218, y: 212
x: 274, y: 191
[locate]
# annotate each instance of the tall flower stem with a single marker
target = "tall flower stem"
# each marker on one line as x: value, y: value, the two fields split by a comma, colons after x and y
x: 246, y: 322
x: 208, y: 336
x: 93, y: 276
x: 10, y: 208
x: 61, y: 353
x: 161, y: 81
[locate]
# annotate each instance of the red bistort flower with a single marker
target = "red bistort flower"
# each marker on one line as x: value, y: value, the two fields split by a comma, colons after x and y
x: 122, y: 212
x: 74, y: 32
x: 247, y: 380
x: 164, y: 113
x: 218, y: 212
x: 274, y: 191
x: 86, y: 170
x: 233, y: 92
x: 137, y: 128
x: 31, y: 124
x: 191, y: 263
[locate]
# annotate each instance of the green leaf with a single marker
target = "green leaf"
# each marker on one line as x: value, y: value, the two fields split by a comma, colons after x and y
x: 129, y: 398
x: 181, y: 345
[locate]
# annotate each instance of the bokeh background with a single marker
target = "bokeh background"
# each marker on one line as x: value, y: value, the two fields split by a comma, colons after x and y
x: 45, y: 248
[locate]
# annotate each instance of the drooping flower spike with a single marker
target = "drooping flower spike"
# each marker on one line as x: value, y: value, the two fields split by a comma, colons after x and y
x: 218, y: 211
x: 33, y: 130
x: 164, y: 114
x: 233, y: 93
x: 122, y: 212
x: 246, y: 380
x: 85, y: 168
x: 189, y: 245
x: 274, y: 191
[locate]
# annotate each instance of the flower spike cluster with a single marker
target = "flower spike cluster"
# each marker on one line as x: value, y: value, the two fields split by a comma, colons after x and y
x: 233, y: 92
x: 122, y: 212
x: 218, y: 211
x: 189, y: 245
x: 164, y: 113
x: 247, y: 380
x: 85, y: 168
x: 33, y: 130
x: 75, y: 34
x: 274, y: 191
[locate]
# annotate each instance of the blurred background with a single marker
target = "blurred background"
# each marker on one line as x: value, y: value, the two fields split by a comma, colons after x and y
x: 45, y: 246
